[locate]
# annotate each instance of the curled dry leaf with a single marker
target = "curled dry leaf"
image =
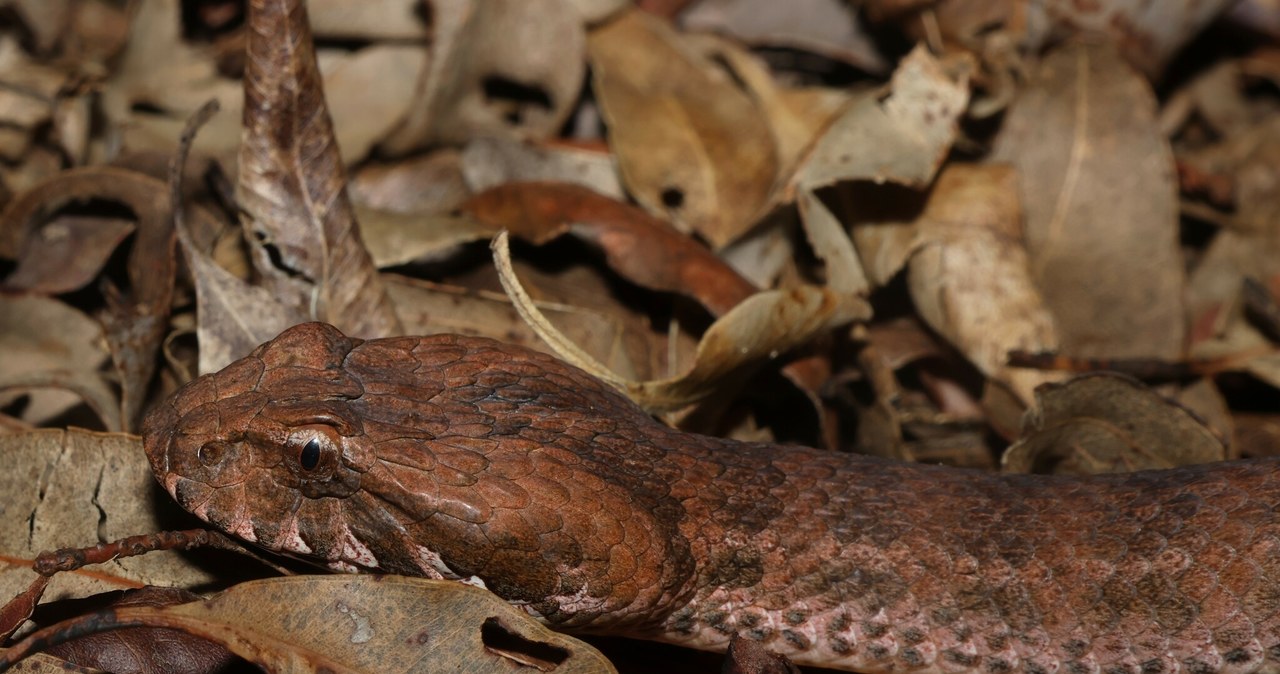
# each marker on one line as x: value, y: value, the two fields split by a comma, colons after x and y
x: 235, y: 316
x: 969, y: 275
x: 75, y: 488
x: 292, y: 185
x: 1097, y: 184
x: 136, y: 322
x: 53, y: 353
x: 497, y: 67
x: 1251, y: 249
x: 765, y: 325
x: 640, y: 247
x: 356, y: 624
x: 1109, y: 424
x: 647, y: 252
x: 691, y: 144
x: 900, y: 136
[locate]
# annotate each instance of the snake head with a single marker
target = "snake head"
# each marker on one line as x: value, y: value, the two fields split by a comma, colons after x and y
x: 442, y: 456
x: 269, y: 447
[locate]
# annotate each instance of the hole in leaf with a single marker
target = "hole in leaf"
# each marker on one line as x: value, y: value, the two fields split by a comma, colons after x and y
x: 672, y: 197
x: 146, y: 108
x: 502, y: 641
x: 514, y: 97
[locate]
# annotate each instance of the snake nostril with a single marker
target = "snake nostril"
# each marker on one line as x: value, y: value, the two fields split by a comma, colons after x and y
x: 211, y: 453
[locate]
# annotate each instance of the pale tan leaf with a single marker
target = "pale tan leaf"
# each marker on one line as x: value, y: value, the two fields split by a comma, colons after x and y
x: 969, y: 275
x: 53, y: 353
x: 366, y: 92
x: 899, y: 137
x: 234, y: 316
x: 691, y: 144
x: 832, y: 28
x: 431, y: 183
x: 1097, y: 184
x: 489, y: 162
x: 530, y: 49
x: 79, y: 488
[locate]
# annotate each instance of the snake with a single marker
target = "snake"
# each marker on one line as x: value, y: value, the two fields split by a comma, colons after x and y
x: 464, y: 458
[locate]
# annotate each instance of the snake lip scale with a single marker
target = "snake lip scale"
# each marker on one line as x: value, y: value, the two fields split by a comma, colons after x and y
x: 466, y: 458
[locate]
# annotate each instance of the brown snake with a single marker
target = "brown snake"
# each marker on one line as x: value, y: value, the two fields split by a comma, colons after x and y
x: 466, y: 458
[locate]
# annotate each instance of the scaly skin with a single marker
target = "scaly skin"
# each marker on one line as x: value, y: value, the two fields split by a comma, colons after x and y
x: 459, y: 457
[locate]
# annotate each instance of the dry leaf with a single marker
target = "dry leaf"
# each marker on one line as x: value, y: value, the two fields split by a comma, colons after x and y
x: 292, y: 185
x: 1096, y: 181
x: 969, y: 275
x: 135, y: 321
x: 640, y: 247
x: 900, y: 137
x: 147, y: 650
x: 53, y: 353
x: 498, y: 67
x: 432, y: 183
x: 490, y: 162
x: 374, y: 624
x: 764, y: 325
x: 367, y: 96
x: 234, y: 316
x: 829, y: 27
x: 691, y: 144
x: 428, y: 308
x: 78, y: 488
x: 1109, y: 424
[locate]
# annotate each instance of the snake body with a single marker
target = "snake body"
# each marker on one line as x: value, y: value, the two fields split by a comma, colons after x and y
x: 465, y: 458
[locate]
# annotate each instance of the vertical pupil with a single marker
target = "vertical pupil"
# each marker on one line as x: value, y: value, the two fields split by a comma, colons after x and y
x: 310, y: 457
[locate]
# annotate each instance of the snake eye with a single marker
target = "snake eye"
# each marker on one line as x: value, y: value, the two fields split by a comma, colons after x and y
x: 316, y: 448
x: 310, y: 456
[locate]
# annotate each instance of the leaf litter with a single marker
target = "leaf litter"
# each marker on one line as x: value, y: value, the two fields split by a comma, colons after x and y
x: 927, y: 219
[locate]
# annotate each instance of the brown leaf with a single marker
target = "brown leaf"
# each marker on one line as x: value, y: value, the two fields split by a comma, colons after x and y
x: 292, y: 185
x: 1096, y: 179
x: 67, y: 253
x: 76, y: 488
x: 53, y: 353
x: 1108, y: 424
x: 135, y: 323
x: 640, y: 247
x: 499, y: 67
x: 375, y: 624
x: 969, y: 276
x: 691, y: 144
x: 146, y: 650
x: 748, y: 656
